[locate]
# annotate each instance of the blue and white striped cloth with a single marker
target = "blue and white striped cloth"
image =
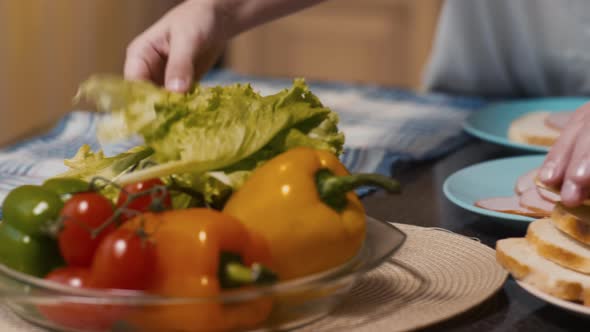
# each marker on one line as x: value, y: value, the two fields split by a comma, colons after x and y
x: 384, y: 128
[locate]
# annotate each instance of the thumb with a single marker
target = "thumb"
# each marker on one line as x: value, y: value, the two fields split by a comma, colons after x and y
x: 180, y: 67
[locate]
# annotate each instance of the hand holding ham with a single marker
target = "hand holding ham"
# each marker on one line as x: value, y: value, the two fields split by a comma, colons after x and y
x: 568, y: 163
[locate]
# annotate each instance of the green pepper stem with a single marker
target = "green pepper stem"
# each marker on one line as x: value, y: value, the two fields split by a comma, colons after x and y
x: 332, y: 189
x: 233, y: 273
x: 239, y: 273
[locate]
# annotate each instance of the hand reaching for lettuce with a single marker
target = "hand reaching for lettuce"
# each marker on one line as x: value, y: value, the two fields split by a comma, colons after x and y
x: 207, y: 140
x: 184, y: 43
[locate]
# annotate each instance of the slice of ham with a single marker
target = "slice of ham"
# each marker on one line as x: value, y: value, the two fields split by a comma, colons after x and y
x: 508, y: 205
x: 548, y: 195
x: 558, y: 120
x: 532, y: 200
x: 526, y: 182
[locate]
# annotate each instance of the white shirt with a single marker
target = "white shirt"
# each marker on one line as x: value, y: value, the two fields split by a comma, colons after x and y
x: 512, y: 48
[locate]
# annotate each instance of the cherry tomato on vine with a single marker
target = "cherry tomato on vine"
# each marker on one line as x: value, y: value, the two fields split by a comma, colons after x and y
x: 80, y: 316
x: 142, y: 203
x: 78, y: 277
x: 123, y: 260
x: 83, y: 214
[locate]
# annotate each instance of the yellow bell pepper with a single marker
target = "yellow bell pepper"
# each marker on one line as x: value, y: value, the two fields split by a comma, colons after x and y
x: 303, y: 203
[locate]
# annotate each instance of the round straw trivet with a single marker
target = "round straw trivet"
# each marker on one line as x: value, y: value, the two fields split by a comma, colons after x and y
x: 436, y: 275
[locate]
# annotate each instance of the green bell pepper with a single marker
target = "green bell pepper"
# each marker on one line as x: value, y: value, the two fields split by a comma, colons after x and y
x: 28, y: 254
x: 31, y: 209
x: 66, y: 187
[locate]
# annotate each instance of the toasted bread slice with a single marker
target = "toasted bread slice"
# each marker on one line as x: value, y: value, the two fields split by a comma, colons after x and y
x: 519, y: 257
x: 574, y: 222
x: 532, y: 129
x: 558, y: 247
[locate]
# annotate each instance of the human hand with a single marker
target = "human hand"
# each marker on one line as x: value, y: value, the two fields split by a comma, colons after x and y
x: 180, y: 47
x: 184, y: 44
x: 568, y: 161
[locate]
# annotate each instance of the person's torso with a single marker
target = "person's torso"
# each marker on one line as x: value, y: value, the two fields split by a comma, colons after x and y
x: 512, y: 48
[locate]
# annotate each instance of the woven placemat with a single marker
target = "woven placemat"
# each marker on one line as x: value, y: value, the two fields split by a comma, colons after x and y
x: 435, y: 276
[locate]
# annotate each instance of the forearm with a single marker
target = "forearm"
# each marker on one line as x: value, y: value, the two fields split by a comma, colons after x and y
x: 246, y: 14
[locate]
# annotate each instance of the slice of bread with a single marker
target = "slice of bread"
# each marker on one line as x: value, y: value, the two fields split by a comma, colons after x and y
x: 532, y: 129
x: 519, y: 257
x: 558, y: 247
x: 573, y: 222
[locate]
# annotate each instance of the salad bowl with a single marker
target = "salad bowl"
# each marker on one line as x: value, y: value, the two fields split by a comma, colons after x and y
x: 281, y: 306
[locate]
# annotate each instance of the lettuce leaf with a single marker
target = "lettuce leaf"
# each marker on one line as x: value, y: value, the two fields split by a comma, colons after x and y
x: 211, y: 137
x: 87, y: 164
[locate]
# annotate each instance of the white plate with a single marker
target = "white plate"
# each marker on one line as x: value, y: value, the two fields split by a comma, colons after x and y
x: 567, y: 305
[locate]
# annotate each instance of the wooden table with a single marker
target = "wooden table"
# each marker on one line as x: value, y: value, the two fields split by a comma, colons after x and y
x: 423, y: 203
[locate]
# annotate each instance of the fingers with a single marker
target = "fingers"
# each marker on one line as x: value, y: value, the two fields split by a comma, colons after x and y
x: 555, y: 166
x: 180, y: 67
x: 144, y: 61
x: 568, y: 162
x: 576, y: 184
x: 179, y: 48
x: 169, y: 62
x: 553, y: 170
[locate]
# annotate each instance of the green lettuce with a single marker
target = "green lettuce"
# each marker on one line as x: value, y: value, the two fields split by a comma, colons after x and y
x: 87, y: 164
x: 211, y: 138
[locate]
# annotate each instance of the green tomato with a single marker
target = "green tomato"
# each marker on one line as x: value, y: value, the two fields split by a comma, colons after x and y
x: 27, y: 254
x: 65, y: 187
x: 31, y: 209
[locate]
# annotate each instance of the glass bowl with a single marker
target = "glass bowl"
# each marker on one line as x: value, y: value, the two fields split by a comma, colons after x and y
x: 282, y: 306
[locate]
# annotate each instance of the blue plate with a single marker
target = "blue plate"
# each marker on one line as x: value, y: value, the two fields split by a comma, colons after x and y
x: 489, y: 179
x: 492, y: 122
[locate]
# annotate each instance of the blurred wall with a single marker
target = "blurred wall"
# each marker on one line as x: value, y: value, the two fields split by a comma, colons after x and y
x: 47, y: 47
x: 385, y: 42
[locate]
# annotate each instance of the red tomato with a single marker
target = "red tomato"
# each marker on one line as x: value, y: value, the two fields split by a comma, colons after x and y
x: 141, y: 203
x: 123, y: 260
x: 80, y: 316
x: 71, y: 276
x: 83, y: 213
